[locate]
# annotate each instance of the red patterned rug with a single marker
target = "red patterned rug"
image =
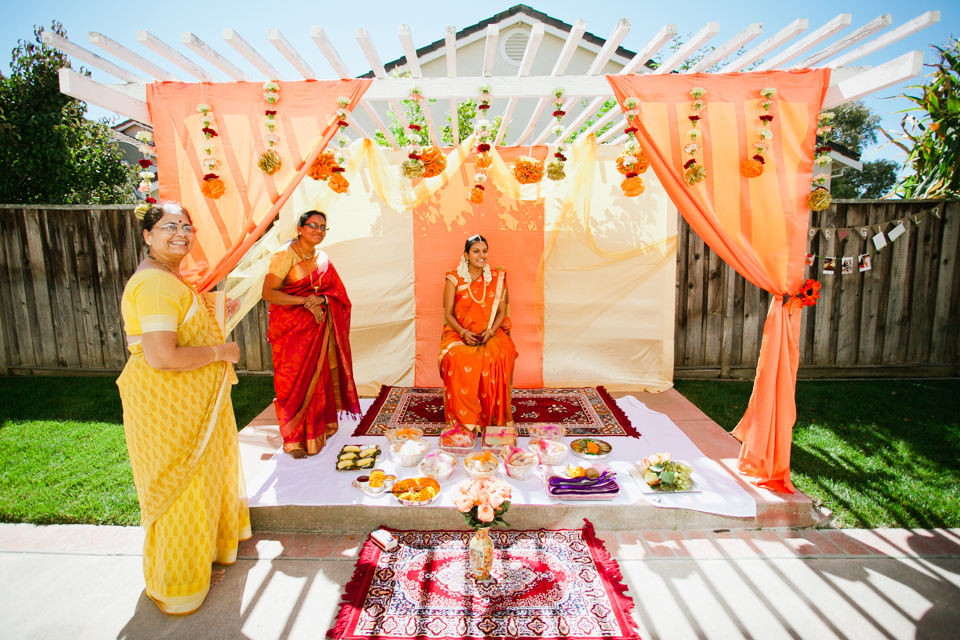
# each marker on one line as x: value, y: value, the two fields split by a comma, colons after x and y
x: 544, y: 584
x: 588, y: 411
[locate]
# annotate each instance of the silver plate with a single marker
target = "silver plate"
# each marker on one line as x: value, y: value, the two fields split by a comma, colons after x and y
x: 419, y: 503
x: 589, y: 456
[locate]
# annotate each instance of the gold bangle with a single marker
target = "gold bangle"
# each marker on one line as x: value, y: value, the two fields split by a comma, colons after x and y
x: 216, y: 353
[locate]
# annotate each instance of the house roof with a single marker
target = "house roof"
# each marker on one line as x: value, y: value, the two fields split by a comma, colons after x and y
x: 483, y: 24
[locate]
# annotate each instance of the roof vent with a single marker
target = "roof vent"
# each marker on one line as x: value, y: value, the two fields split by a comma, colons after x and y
x: 513, y: 46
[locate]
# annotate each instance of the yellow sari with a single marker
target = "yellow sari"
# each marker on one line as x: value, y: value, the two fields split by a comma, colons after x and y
x: 182, y: 439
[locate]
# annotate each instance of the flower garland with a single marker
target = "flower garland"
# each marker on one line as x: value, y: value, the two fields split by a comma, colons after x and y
x: 809, y: 293
x: 212, y: 186
x: 146, y: 176
x: 753, y: 167
x: 819, y: 198
x: 337, y: 181
x: 270, y: 161
x: 423, y: 160
x: 695, y: 173
x: 484, y: 135
x: 528, y: 170
x: 555, y: 170
x: 632, y: 162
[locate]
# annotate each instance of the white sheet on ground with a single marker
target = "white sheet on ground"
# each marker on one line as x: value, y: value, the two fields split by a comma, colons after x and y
x: 315, y: 482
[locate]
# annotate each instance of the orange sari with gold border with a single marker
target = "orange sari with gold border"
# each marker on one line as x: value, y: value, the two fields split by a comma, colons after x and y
x: 478, y: 380
x: 312, y: 363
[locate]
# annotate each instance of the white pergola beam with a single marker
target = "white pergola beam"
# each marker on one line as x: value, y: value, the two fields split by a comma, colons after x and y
x: 620, y: 126
x: 410, y: 51
x: 78, y: 52
x: 533, y: 45
x: 839, y: 23
x: 205, y: 51
x: 293, y: 57
x: 684, y: 52
x: 490, y: 49
x: 908, y: 28
x: 329, y: 52
x: 868, y: 29
x: 775, y: 41
x: 610, y: 46
x: 370, y: 52
x: 728, y: 47
x: 83, y: 88
x: 130, y: 57
x: 907, y: 66
x: 501, y: 86
x: 384, y: 129
x: 663, y: 36
x: 151, y: 41
x: 450, y: 53
x: 242, y: 47
x: 622, y: 139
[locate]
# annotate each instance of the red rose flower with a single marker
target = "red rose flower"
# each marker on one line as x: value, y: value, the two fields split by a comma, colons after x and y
x: 766, y: 118
x: 414, y: 127
x: 693, y: 118
x: 632, y: 175
x: 210, y: 133
x: 211, y: 176
x: 145, y: 163
x: 337, y: 169
x: 151, y: 200
x: 483, y: 147
x: 413, y: 156
x: 483, y: 107
x: 270, y: 113
x: 690, y: 163
x: 759, y: 158
x: 342, y: 123
x: 479, y: 186
x: 559, y: 156
x: 629, y: 130
x: 559, y: 114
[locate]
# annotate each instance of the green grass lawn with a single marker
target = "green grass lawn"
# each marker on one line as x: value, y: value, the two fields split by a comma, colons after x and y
x: 63, y: 457
x: 878, y: 453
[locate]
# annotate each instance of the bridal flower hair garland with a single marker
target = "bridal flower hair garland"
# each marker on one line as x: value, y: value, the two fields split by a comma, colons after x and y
x: 463, y: 270
x: 270, y: 161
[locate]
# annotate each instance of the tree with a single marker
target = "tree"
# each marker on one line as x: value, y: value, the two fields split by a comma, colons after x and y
x: 875, y: 181
x: 49, y: 152
x: 855, y: 126
x: 931, y: 139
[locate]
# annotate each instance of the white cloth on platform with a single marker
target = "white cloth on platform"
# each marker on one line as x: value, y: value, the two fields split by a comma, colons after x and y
x: 315, y: 482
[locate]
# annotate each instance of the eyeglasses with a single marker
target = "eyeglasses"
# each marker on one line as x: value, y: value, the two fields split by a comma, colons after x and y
x: 314, y: 225
x: 173, y: 227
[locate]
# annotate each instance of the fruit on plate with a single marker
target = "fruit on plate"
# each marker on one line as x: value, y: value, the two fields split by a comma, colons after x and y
x: 416, y: 489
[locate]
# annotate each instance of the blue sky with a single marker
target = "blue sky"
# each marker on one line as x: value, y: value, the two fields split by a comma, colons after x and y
x: 427, y: 19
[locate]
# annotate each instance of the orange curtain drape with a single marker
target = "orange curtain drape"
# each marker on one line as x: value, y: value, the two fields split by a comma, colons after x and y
x: 758, y: 225
x: 228, y: 226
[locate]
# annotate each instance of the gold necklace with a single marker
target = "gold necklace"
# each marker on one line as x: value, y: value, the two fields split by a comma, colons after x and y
x: 179, y: 277
x: 296, y: 250
x: 483, y: 296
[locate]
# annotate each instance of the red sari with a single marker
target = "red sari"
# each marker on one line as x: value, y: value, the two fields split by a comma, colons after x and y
x: 478, y: 380
x: 312, y: 365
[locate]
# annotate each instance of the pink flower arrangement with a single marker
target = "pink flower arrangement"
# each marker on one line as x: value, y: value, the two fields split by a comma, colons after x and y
x: 483, y: 501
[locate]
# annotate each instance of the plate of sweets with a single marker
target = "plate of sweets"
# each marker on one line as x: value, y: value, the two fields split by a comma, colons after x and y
x: 401, y: 435
x: 591, y: 448
x: 457, y: 440
x: 481, y: 464
x: 356, y: 457
x: 416, y: 492
x: 578, y: 483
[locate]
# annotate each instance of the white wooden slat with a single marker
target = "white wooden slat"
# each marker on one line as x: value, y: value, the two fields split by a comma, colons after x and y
x: 384, y: 129
x: 78, y: 52
x: 711, y: 29
x: 622, y: 139
x: 908, y: 28
x: 329, y: 52
x: 566, y: 54
x: 450, y: 53
x: 428, y: 116
x: 868, y: 29
x: 490, y: 49
x: 614, y: 130
x: 370, y: 52
x: 839, y: 23
x: 775, y: 41
x: 83, y: 88
x: 661, y: 38
x: 502, y: 86
x: 205, y: 51
x: 293, y: 57
x: 907, y: 66
x: 728, y: 47
x: 243, y: 47
x: 151, y: 41
x: 356, y: 127
x: 610, y: 46
x: 533, y: 45
x: 585, y: 115
x: 410, y: 51
x: 130, y: 57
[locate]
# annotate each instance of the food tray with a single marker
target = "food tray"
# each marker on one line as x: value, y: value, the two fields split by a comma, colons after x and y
x: 418, y: 503
x: 550, y: 472
x: 647, y: 489
x: 605, y: 447
x: 349, y: 448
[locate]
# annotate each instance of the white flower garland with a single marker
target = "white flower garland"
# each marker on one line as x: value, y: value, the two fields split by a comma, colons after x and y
x: 464, y: 272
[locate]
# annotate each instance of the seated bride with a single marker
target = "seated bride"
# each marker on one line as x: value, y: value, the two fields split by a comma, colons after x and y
x: 476, y: 353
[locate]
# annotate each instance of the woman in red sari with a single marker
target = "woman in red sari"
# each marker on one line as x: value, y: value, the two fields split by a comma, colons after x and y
x: 310, y: 335
x: 476, y: 353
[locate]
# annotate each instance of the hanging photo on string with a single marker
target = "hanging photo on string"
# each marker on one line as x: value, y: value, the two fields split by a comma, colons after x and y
x: 879, y: 241
x: 829, y: 265
x: 846, y: 265
x: 897, y: 231
x: 864, y: 263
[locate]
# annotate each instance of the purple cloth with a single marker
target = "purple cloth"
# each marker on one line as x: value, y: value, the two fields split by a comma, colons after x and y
x: 603, y: 485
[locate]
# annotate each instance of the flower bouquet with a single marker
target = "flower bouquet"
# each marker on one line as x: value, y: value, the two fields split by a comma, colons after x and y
x: 662, y: 473
x: 482, y: 501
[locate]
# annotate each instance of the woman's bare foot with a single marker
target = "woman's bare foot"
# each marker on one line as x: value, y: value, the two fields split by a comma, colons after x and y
x: 298, y: 454
x: 216, y: 576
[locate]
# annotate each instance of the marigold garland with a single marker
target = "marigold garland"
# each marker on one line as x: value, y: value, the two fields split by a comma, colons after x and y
x: 434, y: 162
x: 753, y: 167
x: 528, y: 170
x: 632, y: 160
x: 819, y: 199
x: 321, y: 169
x: 633, y: 186
x: 146, y: 176
x: 212, y: 187
x: 555, y: 171
x: 411, y: 169
x: 476, y: 194
x: 338, y: 183
x: 269, y: 162
x: 484, y: 136
x: 695, y: 172
x: 809, y: 293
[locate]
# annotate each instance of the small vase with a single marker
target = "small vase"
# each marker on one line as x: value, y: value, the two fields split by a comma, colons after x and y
x: 481, y: 554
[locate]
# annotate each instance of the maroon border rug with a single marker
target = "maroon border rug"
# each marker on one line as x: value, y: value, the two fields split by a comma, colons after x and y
x: 544, y: 584
x: 587, y: 411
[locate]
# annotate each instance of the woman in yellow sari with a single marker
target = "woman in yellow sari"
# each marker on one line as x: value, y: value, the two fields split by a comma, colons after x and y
x: 476, y: 353
x: 178, y: 419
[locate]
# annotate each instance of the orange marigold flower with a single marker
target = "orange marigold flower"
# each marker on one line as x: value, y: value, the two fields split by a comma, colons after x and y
x: 321, y: 169
x: 213, y: 189
x: 338, y: 183
x: 632, y: 187
x: 751, y: 168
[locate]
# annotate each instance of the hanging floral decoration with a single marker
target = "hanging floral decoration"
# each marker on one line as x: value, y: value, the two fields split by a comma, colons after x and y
x: 632, y: 162
x: 819, y: 198
x: 269, y: 161
x: 322, y: 167
x: 528, y: 170
x: 753, y: 167
x: 555, y: 169
x: 694, y: 172
x: 212, y: 186
x: 146, y: 176
x: 142, y: 208
x: 809, y: 293
x: 484, y: 136
x: 423, y: 161
x: 337, y: 181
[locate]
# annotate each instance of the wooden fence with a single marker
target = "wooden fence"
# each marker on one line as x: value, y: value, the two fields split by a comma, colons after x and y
x: 62, y: 271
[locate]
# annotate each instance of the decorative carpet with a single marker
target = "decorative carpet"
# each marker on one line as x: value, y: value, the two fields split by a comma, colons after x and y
x: 588, y: 411
x: 544, y: 584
